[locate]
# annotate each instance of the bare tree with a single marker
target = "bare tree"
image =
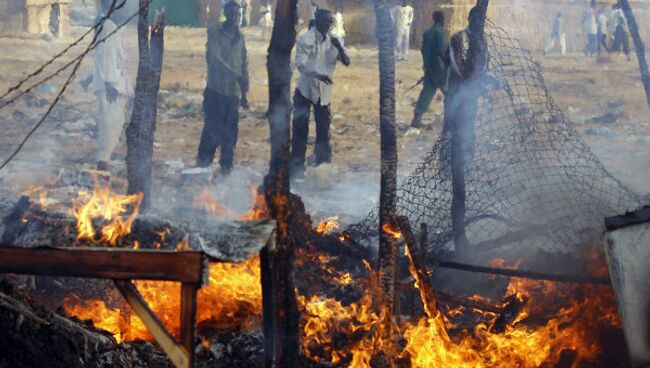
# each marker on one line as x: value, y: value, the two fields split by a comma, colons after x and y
x: 140, y: 132
x: 639, y: 46
x: 388, y: 251
x: 280, y: 308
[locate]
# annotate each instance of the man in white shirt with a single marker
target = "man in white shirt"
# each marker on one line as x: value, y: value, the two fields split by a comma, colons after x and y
x: 112, y: 87
x: 602, y: 30
x: 402, y: 18
x: 317, y: 53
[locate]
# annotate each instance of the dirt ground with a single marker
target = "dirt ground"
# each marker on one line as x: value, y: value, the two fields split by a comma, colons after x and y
x: 585, y: 89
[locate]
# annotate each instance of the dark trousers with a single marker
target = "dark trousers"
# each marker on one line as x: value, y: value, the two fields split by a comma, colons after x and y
x: 620, y: 41
x: 323, y: 150
x: 221, y: 128
x: 602, y: 42
x: 429, y: 88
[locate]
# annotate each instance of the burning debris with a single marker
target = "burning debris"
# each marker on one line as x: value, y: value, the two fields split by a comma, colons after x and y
x: 520, y: 192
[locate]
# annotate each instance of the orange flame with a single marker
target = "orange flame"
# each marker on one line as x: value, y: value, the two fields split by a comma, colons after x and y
x: 328, y: 225
x: 392, y: 232
x: 113, y: 209
x: 233, y: 297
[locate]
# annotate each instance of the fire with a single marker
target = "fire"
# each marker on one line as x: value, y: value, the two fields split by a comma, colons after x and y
x: 392, y: 232
x: 232, y: 298
x: 40, y: 193
x: 117, y: 212
x: 428, y: 342
x: 206, y: 200
x: 328, y: 225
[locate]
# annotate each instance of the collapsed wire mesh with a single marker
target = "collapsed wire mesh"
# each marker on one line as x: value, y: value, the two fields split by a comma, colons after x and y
x: 533, y: 183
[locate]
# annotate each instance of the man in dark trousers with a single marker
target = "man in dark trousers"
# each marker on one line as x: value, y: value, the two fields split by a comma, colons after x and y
x: 434, y: 46
x: 226, y: 89
x: 317, y: 53
x: 465, y: 83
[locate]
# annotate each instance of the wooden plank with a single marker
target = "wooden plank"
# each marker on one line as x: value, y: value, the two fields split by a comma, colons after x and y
x: 110, y: 263
x: 188, y: 318
x: 177, y: 354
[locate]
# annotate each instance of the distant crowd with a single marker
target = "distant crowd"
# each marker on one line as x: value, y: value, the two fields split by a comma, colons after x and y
x: 606, y: 29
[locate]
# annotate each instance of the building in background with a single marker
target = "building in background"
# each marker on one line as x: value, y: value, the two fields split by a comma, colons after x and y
x: 36, y: 17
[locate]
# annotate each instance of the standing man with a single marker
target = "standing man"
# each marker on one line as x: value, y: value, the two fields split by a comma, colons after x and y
x: 590, y: 26
x: 316, y: 55
x: 112, y: 87
x: 464, y: 86
x: 620, y: 32
x: 557, y: 34
x: 226, y: 89
x: 602, y: 31
x: 266, y: 20
x: 434, y: 47
x: 402, y: 18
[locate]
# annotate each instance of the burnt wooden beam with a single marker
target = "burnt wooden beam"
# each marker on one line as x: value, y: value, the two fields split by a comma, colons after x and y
x: 108, y: 263
x: 180, y: 356
x: 580, y: 279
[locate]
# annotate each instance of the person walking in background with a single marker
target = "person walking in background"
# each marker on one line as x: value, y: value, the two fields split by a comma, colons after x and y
x: 402, y: 19
x: 266, y: 20
x: 246, y: 13
x: 621, y: 30
x: 338, y: 30
x: 317, y: 53
x: 590, y: 27
x: 602, y: 31
x: 112, y: 87
x: 226, y: 90
x: 557, y: 34
x: 434, y: 47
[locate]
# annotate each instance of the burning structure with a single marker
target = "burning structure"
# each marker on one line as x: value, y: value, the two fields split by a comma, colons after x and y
x: 291, y: 292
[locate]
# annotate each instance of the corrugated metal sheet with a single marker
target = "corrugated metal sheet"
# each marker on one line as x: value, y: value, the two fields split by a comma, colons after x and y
x: 178, y: 13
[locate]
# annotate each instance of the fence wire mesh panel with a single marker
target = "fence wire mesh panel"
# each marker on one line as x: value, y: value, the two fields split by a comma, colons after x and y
x: 531, y: 181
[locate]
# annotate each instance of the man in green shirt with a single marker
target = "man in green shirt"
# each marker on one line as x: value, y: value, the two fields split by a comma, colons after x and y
x: 226, y: 89
x: 434, y: 46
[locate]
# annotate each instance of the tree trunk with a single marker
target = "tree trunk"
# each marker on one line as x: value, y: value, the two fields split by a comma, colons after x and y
x: 280, y: 308
x: 140, y: 132
x: 387, y: 196
x: 639, y: 46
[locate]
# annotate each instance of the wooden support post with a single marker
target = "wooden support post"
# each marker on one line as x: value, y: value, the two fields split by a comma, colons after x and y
x: 188, y: 318
x: 140, y: 131
x: 639, y: 46
x: 280, y: 307
x: 388, y: 247
x: 179, y: 355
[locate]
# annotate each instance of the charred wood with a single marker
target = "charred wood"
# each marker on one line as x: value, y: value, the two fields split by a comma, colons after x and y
x: 387, y: 260
x: 279, y: 298
x: 140, y: 132
x: 27, y: 225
